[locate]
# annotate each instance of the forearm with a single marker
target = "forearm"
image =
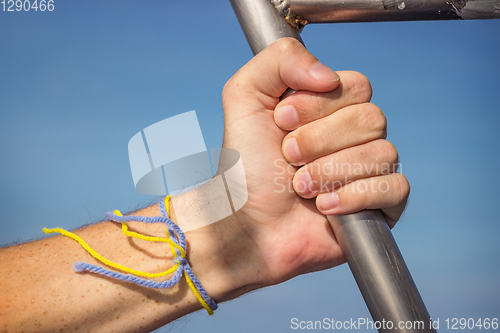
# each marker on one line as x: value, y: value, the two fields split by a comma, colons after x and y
x: 41, y: 292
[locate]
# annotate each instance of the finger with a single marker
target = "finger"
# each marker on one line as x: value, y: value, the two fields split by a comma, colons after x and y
x: 305, y: 106
x: 351, y: 126
x: 285, y: 63
x: 388, y: 193
x: 325, y: 174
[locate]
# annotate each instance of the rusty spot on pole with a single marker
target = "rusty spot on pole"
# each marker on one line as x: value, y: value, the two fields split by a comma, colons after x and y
x: 295, y: 21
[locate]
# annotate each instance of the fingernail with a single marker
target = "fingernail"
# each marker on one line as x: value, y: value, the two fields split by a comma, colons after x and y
x: 322, y: 73
x: 304, y: 185
x: 291, y: 151
x: 328, y: 202
x: 286, y: 117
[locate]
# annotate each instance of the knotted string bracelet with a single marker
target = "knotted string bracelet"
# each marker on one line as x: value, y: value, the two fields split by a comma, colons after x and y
x: 175, y: 239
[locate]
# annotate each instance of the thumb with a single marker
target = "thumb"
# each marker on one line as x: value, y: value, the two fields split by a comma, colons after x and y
x: 285, y: 63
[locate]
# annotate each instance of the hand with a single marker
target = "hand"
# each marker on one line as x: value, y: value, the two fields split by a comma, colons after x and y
x: 282, y: 232
x: 277, y: 235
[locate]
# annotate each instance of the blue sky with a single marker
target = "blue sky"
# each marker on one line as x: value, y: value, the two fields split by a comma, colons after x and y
x: 77, y: 83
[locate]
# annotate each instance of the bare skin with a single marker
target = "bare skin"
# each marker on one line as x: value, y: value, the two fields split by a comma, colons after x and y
x: 280, y: 233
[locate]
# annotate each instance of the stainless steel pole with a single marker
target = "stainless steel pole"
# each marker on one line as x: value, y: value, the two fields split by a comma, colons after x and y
x: 261, y: 23
x: 372, y: 254
x: 329, y: 11
x: 380, y: 272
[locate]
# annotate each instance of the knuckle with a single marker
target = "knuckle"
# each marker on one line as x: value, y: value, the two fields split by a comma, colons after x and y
x: 311, y: 141
x: 386, y: 151
x: 360, y: 88
x: 362, y: 194
x: 319, y: 107
x: 313, y: 108
x: 401, y: 188
x: 374, y: 119
x: 286, y: 44
x: 379, y: 121
x: 315, y: 140
x: 355, y: 195
x: 310, y: 106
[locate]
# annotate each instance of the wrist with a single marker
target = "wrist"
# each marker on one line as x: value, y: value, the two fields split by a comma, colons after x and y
x: 221, y: 254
